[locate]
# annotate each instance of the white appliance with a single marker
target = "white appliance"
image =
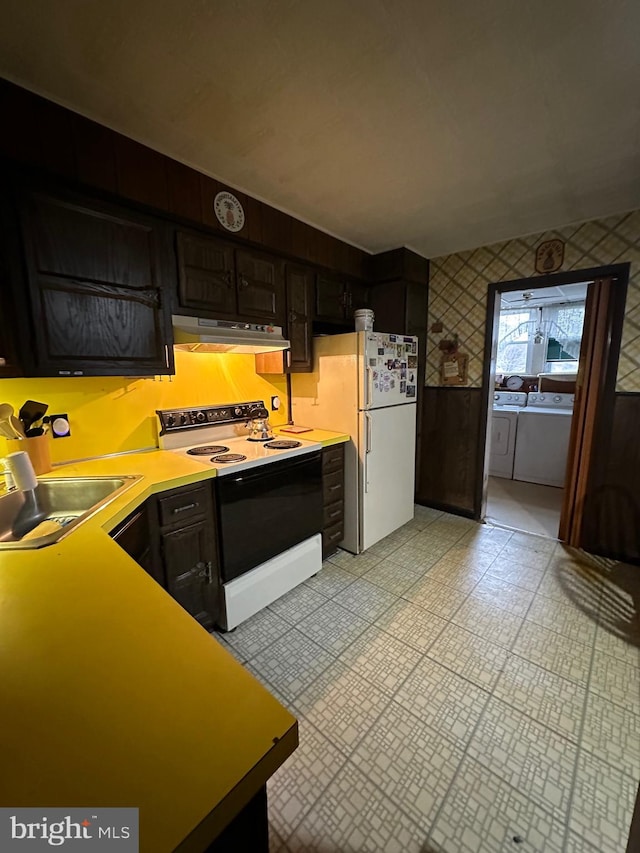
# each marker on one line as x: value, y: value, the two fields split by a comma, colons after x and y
x: 268, y: 503
x: 542, y: 442
x: 364, y: 384
x: 504, y: 426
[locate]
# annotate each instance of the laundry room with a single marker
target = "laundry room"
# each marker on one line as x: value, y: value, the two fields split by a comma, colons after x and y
x: 537, y: 339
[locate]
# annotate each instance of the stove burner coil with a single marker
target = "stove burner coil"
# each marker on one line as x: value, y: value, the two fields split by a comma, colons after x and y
x: 207, y: 450
x: 229, y: 457
x: 283, y: 444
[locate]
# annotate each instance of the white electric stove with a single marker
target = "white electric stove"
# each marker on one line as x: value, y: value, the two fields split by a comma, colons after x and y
x: 217, y: 437
x: 269, y: 503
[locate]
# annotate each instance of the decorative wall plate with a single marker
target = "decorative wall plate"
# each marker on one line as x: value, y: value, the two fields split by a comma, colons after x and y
x: 228, y: 211
x: 549, y: 256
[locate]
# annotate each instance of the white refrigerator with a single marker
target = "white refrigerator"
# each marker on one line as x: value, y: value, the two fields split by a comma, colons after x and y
x: 364, y: 384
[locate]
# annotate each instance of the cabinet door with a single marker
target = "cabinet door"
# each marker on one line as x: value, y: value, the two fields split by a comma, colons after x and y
x: 300, y: 296
x: 188, y: 555
x: 133, y: 535
x: 97, y: 289
x: 330, y: 299
x: 206, y: 273
x: 260, y: 282
x: 357, y: 297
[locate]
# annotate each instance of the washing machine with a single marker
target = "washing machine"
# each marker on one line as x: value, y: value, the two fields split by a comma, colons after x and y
x: 542, y: 443
x: 504, y: 426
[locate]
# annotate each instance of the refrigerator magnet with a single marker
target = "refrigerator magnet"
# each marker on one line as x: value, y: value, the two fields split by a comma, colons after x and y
x: 380, y: 350
x: 412, y: 361
x: 403, y: 387
x: 411, y: 390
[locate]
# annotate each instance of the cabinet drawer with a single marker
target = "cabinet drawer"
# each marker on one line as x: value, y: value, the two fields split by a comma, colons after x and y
x: 333, y: 514
x: 179, y: 508
x: 333, y: 487
x: 331, y: 538
x: 332, y: 458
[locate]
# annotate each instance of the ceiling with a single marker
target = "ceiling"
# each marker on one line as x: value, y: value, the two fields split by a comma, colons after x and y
x: 538, y: 296
x: 439, y: 126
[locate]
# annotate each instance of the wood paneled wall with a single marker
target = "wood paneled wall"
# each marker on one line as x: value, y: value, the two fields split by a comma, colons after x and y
x: 611, y: 525
x: 41, y: 134
x: 451, y: 424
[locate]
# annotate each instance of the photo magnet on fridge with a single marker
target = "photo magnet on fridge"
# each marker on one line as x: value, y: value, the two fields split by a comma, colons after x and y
x: 411, y: 390
x: 412, y: 361
x: 380, y: 350
x: 403, y: 387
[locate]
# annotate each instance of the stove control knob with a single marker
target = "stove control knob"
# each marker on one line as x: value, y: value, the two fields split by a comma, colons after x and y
x: 237, y: 412
x: 200, y: 417
x: 171, y: 420
x: 184, y: 419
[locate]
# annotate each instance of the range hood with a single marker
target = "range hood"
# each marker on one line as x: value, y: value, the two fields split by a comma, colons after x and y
x: 199, y: 334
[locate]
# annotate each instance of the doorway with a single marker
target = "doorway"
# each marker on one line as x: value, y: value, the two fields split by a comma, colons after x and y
x: 537, y: 334
x: 539, y: 344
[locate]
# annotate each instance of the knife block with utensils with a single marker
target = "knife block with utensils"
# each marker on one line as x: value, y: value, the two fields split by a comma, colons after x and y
x: 38, y: 450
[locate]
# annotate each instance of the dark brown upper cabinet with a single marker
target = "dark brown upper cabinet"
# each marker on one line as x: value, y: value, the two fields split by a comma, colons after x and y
x: 96, y: 279
x: 337, y: 299
x: 300, y: 300
x: 220, y: 280
x: 206, y: 275
x: 261, y: 289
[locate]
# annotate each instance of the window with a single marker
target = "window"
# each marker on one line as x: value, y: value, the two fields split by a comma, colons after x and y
x: 533, y: 340
x: 513, y: 341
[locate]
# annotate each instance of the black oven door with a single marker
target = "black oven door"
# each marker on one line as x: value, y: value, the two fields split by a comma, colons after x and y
x: 263, y: 511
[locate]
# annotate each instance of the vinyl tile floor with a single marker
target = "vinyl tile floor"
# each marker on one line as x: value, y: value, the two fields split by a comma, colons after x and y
x: 524, y: 506
x: 459, y: 687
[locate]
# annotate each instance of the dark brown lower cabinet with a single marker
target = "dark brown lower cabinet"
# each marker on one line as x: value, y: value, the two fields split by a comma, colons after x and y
x: 173, y: 538
x: 188, y: 558
x: 134, y: 536
x: 248, y: 831
x: 333, y: 498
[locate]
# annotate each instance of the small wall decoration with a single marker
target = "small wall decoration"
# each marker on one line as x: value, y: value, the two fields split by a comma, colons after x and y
x: 228, y: 211
x: 453, y: 363
x: 453, y: 368
x: 549, y: 256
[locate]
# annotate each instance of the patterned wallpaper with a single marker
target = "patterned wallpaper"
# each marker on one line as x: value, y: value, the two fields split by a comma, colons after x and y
x: 458, y: 287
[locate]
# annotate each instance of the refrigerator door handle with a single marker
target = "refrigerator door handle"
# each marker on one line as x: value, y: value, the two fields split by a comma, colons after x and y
x: 369, y: 397
x: 367, y: 424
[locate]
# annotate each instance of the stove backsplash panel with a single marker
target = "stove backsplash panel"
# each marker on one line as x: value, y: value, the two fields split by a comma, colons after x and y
x: 114, y: 414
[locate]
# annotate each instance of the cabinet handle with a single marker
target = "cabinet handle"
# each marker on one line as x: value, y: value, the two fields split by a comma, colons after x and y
x: 292, y: 316
x: 184, y: 508
x: 203, y: 570
x: 336, y: 536
x: 335, y: 513
x: 229, y: 278
x: 349, y: 300
x: 333, y: 488
x: 244, y: 283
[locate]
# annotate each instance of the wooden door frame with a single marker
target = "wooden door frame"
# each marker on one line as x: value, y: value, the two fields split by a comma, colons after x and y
x: 619, y: 272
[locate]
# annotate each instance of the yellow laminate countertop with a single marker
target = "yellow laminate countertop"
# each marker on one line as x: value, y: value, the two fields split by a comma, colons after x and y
x: 112, y: 695
x: 324, y: 436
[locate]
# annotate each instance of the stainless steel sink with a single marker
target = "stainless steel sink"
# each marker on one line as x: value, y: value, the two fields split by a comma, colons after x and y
x: 67, y: 501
